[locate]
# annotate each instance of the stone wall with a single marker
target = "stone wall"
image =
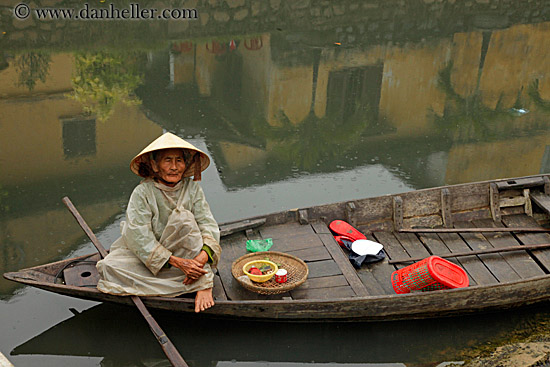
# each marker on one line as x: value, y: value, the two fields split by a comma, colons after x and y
x: 370, y: 21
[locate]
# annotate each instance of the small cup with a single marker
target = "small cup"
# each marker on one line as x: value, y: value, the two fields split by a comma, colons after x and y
x: 280, y: 276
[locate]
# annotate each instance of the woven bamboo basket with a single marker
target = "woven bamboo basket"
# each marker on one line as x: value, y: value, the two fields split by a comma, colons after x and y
x: 296, y: 268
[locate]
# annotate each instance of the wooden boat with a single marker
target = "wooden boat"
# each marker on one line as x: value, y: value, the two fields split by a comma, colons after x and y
x: 336, y: 290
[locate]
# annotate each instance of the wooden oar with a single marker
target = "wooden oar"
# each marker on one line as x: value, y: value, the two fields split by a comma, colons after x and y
x: 169, y: 349
x: 479, y: 252
x: 464, y: 230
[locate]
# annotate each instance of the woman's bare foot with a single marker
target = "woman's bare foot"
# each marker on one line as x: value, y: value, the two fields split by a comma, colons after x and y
x: 203, y: 300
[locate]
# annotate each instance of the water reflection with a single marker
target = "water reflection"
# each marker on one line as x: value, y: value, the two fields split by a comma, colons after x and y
x: 96, y: 332
x: 313, y: 104
x: 270, y: 107
x: 274, y: 106
x: 101, y: 80
x: 299, y: 107
x: 32, y: 67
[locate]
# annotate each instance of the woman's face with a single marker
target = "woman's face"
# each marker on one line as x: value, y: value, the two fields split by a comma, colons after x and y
x: 169, y: 165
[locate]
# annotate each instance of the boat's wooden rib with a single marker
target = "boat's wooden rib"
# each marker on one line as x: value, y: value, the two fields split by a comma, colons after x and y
x: 335, y: 290
x: 412, y: 245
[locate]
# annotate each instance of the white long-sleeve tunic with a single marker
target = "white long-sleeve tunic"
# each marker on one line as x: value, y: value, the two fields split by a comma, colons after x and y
x: 160, y: 221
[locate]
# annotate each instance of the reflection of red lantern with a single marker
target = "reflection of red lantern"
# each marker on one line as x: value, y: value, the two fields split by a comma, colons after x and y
x: 216, y: 48
x: 232, y: 45
x: 253, y: 44
x: 182, y: 47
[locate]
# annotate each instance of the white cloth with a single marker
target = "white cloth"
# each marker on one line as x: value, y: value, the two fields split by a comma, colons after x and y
x: 160, y: 221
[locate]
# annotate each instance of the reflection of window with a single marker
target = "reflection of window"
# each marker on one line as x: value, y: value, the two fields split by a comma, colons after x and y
x: 350, y: 90
x: 545, y: 163
x: 229, y: 78
x: 78, y: 137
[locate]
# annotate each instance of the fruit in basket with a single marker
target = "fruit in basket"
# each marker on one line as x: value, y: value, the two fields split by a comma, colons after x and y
x: 255, y: 271
x: 260, y: 270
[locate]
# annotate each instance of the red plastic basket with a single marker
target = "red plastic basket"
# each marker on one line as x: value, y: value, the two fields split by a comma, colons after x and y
x: 432, y: 273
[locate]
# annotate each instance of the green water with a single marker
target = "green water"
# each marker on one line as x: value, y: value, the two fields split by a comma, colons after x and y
x: 298, y: 104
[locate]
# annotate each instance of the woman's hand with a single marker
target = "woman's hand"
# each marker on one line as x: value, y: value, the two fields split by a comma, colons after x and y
x: 202, y: 258
x: 192, y: 268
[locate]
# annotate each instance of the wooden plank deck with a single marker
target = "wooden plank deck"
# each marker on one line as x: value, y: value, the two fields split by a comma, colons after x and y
x: 233, y: 249
x: 477, y: 270
x: 496, y: 263
x: 542, y: 256
x: 331, y: 275
x: 520, y: 261
x: 436, y: 245
x: 380, y: 271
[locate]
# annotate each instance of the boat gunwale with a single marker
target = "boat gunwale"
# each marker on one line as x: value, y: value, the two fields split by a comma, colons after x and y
x: 320, y: 207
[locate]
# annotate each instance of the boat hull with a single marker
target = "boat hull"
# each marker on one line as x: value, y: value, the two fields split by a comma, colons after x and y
x: 416, y: 305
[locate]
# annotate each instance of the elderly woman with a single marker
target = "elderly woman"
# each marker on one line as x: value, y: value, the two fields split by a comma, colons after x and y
x: 169, y: 242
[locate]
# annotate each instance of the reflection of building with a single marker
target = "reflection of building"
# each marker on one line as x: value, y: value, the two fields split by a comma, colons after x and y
x: 50, y: 149
x: 508, y: 71
x: 45, y: 134
x: 398, y: 92
x: 512, y: 157
x: 250, y: 82
x: 48, y: 136
x: 59, y: 68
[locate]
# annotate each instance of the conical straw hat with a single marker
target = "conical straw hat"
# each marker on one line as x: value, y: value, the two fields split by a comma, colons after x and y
x: 167, y: 141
